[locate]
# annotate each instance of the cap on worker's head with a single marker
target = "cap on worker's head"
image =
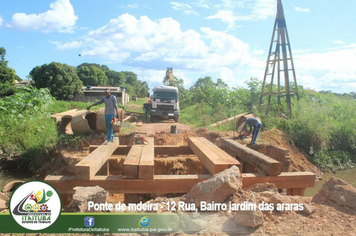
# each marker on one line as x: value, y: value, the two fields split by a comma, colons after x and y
x: 107, y: 90
x: 242, y: 117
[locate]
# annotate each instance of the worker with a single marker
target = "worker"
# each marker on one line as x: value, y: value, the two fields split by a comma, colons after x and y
x: 111, y: 111
x: 147, y: 106
x: 254, y: 124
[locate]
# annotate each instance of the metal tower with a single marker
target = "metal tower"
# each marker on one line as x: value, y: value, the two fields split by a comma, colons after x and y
x: 280, y: 65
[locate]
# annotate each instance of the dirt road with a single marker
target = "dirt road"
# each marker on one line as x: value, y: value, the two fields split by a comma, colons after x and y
x: 157, y: 127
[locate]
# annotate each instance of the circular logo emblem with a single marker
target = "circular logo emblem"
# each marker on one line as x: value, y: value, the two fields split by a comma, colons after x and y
x: 35, y: 205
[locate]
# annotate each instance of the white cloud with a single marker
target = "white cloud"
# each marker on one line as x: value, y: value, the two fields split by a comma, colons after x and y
x: 143, y: 43
x: 332, y: 70
x: 339, y: 42
x: 60, y: 18
x: 1, y: 20
x: 256, y: 10
x: 305, y: 10
x: 186, y: 8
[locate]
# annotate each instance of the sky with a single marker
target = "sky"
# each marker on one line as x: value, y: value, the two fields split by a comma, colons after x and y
x: 226, y: 39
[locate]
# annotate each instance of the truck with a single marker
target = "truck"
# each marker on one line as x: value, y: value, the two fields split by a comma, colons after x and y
x: 165, y: 103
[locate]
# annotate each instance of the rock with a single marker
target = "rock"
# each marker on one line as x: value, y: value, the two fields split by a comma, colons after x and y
x: 192, y: 222
x: 337, y: 191
x: 11, y: 186
x: 83, y: 195
x: 3, y: 205
x: 250, y: 219
x: 263, y: 187
x: 218, y: 188
x: 308, y: 209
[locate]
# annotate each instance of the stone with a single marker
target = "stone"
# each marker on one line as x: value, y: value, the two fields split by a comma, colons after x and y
x: 263, y: 187
x: 83, y: 195
x: 250, y: 219
x: 217, y: 188
x: 308, y: 209
x: 337, y: 191
x: 11, y: 186
x: 3, y: 205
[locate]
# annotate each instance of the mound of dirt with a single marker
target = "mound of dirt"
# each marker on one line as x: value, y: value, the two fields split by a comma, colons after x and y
x: 299, y: 160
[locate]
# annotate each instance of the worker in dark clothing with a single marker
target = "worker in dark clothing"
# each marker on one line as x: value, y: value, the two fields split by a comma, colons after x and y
x: 255, y: 126
x: 147, y: 106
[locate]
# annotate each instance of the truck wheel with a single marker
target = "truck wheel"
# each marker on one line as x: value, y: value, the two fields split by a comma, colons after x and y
x: 176, y: 119
x: 152, y: 119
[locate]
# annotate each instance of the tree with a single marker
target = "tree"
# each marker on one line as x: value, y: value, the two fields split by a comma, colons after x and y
x: 61, y: 80
x: 92, y: 75
x: 115, y: 78
x: 7, y: 75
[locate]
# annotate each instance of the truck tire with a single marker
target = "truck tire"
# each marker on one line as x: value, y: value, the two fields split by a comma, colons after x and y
x: 152, y: 119
x: 176, y: 119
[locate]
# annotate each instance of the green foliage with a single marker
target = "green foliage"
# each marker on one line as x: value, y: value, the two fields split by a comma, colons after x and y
x: 24, y: 122
x: 7, y: 76
x: 115, y: 78
x: 61, y: 80
x: 331, y: 160
x: 74, y: 142
x: 92, y: 75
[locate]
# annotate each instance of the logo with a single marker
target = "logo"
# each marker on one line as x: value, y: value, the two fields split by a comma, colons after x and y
x: 144, y: 221
x: 35, y: 205
x: 89, y: 221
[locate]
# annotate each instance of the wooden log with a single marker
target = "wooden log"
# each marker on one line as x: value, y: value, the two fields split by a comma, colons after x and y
x: 175, y: 183
x: 160, y: 184
x: 221, y: 153
x: 91, y: 164
x: 266, y: 164
x: 132, y: 160
x: 146, y: 165
x: 228, y: 120
x: 209, y: 159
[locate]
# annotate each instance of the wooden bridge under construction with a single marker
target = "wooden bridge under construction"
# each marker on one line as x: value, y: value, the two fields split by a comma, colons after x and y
x: 138, y: 173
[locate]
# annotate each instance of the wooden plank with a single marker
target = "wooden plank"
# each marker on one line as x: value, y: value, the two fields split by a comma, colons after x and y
x: 120, y: 150
x: 262, y: 162
x: 221, y: 153
x: 132, y: 160
x: 285, y: 180
x: 228, y: 120
x: 209, y: 159
x: 160, y: 184
x: 147, y: 161
x: 91, y: 164
x: 175, y: 183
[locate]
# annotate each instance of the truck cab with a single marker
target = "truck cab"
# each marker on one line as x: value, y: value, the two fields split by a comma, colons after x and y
x: 165, y: 103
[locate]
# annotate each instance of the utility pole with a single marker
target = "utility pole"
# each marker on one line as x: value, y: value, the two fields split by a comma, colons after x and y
x: 280, y: 65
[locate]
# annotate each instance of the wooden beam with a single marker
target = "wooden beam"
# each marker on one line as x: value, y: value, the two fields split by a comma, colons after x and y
x: 286, y: 180
x: 117, y: 184
x: 147, y: 161
x: 175, y: 183
x: 262, y: 162
x: 91, y: 164
x: 221, y: 153
x: 132, y: 160
x: 208, y: 158
x: 120, y: 150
